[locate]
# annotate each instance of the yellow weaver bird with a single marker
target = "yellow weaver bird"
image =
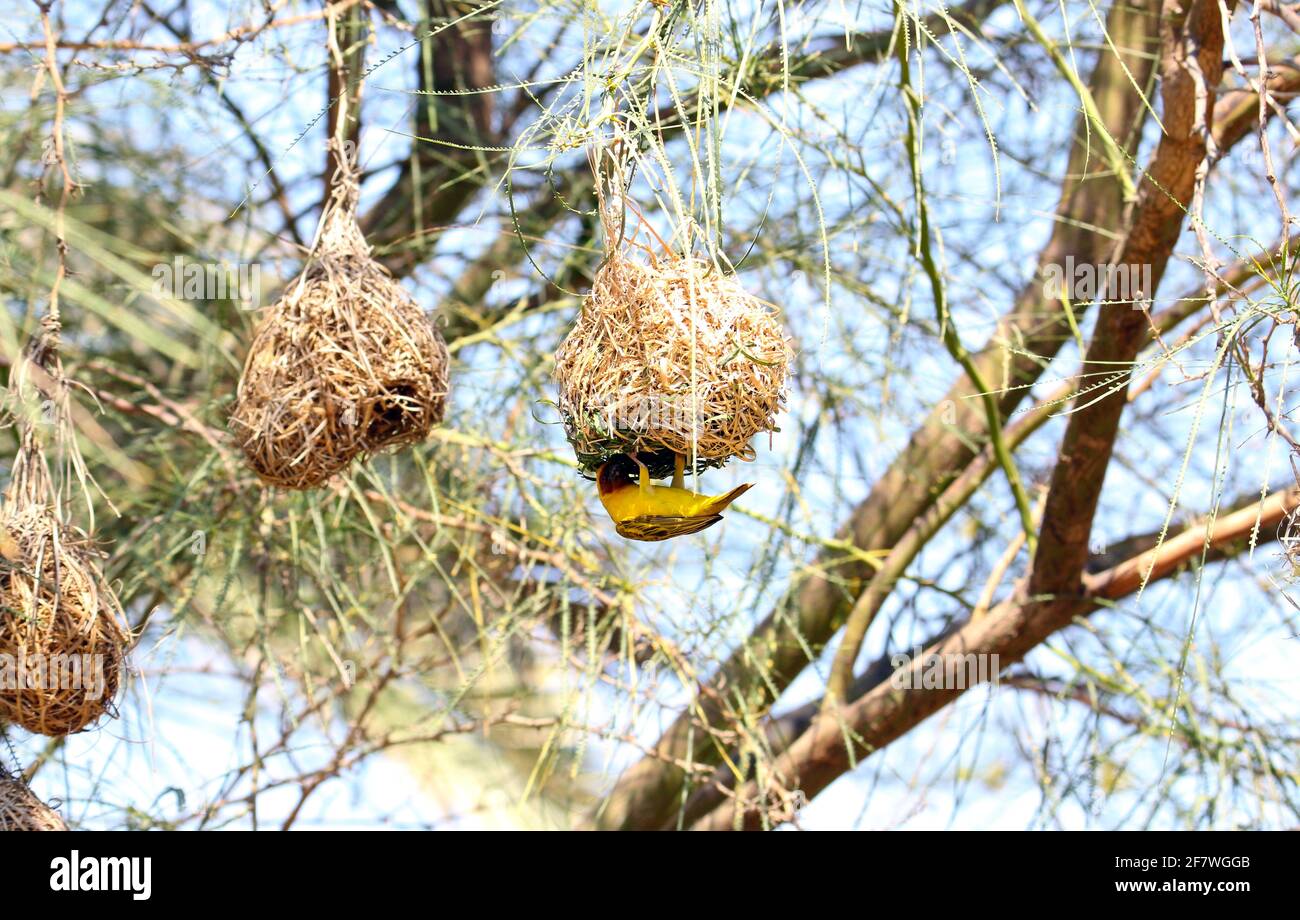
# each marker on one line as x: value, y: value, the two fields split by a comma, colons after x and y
x: 642, y: 510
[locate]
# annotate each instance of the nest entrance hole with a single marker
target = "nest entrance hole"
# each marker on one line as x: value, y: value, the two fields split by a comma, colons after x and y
x: 394, y: 415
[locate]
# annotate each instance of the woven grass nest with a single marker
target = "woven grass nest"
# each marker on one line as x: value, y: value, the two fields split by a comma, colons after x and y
x: 343, y: 366
x: 59, y: 619
x: 1288, y: 533
x: 21, y: 810
x: 670, y: 356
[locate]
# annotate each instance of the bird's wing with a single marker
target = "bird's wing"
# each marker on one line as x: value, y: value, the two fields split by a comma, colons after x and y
x: 651, y: 528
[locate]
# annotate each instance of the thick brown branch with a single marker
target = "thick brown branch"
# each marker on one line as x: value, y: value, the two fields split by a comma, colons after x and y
x: 442, y: 173
x: 1010, y: 631
x: 1192, y: 59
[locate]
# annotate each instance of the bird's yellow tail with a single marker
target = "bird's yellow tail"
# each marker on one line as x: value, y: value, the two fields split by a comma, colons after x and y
x: 722, y: 501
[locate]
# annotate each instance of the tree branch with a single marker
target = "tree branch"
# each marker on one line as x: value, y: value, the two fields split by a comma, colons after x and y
x: 1192, y: 59
x: 1012, y: 629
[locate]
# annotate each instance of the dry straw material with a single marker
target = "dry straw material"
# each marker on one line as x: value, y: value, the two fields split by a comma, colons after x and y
x: 670, y: 355
x: 21, y: 810
x: 63, y: 643
x: 1288, y: 532
x: 344, y: 365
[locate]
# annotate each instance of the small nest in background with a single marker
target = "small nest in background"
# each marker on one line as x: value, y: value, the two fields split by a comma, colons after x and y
x: 344, y: 365
x: 1288, y: 532
x: 21, y: 810
x: 670, y: 356
x: 62, y: 640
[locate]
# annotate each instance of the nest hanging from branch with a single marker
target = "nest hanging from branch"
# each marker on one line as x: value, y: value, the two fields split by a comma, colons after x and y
x: 63, y: 641
x: 669, y: 356
x: 344, y: 365
x: 1288, y: 533
x: 21, y: 810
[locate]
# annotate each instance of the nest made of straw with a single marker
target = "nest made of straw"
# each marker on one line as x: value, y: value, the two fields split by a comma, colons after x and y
x: 670, y: 355
x: 344, y: 365
x: 62, y: 638
x: 1288, y: 532
x: 21, y: 810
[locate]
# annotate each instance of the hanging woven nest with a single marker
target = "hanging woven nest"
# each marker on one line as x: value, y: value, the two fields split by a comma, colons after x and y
x: 21, y: 810
x: 670, y: 355
x: 344, y: 365
x: 63, y: 642
x: 1288, y: 533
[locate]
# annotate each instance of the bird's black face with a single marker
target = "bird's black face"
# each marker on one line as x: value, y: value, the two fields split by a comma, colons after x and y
x: 616, y: 471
